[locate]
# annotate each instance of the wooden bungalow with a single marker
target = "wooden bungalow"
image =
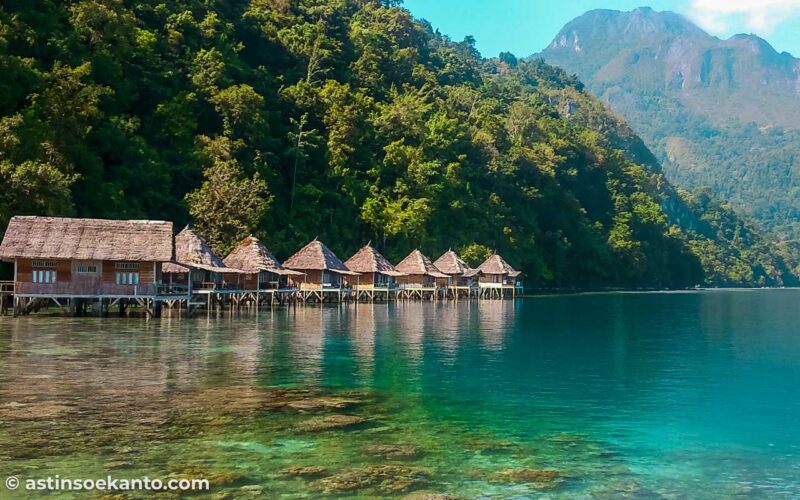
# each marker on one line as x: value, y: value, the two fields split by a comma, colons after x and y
x: 324, y: 277
x: 422, y: 279
x: 498, y: 278
x: 261, y: 273
x: 463, y: 279
x: 196, y: 267
x: 378, y: 278
x: 78, y: 263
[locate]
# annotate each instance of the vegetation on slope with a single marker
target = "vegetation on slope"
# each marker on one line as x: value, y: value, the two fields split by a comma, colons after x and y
x: 348, y: 121
x: 721, y: 114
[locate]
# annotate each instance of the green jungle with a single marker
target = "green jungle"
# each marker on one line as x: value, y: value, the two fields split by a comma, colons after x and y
x: 350, y: 121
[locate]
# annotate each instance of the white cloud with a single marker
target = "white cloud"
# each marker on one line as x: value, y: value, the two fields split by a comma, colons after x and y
x: 761, y: 16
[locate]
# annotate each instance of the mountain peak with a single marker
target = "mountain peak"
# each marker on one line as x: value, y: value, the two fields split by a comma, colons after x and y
x: 664, y: 50
x: 636, y: 24
x: 754, y: 43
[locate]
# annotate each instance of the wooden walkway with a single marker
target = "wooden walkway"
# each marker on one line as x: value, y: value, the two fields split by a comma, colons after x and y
x: 499, y: 291
x: 217, y: 299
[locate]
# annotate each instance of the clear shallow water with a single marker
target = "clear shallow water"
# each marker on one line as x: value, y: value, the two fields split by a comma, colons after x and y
x: 646, y: 395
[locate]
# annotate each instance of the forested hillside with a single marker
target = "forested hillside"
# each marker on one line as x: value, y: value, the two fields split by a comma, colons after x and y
x: 350, y: 121
x: 721, y: 114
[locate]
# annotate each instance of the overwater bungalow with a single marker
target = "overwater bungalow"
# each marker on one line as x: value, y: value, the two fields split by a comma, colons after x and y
x: 261, y: 273
x: 196, y: 267
x: 463, y: 280
x: 260, y: 269
x: 378, y: 277
x: 422, y: 279
x: 323, y: 276
x: 498, y: 278
x: 78, y: 263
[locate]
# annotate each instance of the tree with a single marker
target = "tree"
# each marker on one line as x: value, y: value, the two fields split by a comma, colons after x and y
x: 228, y: 206
x: 240, y: 107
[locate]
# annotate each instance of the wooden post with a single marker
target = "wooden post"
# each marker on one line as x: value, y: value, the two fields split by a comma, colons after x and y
x: 189, y: 290
x: 258, y: 287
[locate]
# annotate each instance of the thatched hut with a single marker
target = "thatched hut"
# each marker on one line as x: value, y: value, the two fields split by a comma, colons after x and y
x: 91, y: 258
x: 461, y: 275
x: 419, y: 272
x: 376, y: 272
x: 260, y: 270
x: 320, y: 268
x: 496, y: 272
x: 196, y: 265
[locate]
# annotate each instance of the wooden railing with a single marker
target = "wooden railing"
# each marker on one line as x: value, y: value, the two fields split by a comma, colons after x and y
x: 263, y: 287
x: 95, y: 289
x: 6, y: 287
x: 376, y: 286
x: 417, y: 286
x: 205, y: 285
x: 323, y: 286
x: 501, y: 285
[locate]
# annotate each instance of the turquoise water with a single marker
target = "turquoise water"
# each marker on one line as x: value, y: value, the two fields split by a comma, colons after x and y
x: 644, y: 395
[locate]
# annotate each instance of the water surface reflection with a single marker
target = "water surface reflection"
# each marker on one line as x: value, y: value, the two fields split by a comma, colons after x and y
x: 605, y: 395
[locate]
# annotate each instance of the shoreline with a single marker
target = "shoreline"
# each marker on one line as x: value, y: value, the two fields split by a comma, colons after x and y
x: 544, y: 293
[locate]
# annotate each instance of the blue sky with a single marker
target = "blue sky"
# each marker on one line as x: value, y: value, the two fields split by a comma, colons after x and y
x: 525, y: 27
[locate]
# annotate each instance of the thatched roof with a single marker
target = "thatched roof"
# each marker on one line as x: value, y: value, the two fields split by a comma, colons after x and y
x: 450, y: 263
x: 416, y: 263
x: 192, y: 251
x: 252, y: 257
x: 497, y: 265
x: 87, y: 239
x: 369, y: 260
x: 316, y: 257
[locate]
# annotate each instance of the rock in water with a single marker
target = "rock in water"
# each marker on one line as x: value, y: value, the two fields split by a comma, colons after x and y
x: 330, y: 422
x: 391, y: 452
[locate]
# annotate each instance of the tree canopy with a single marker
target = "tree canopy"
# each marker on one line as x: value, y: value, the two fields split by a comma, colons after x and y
x: 349, y: 121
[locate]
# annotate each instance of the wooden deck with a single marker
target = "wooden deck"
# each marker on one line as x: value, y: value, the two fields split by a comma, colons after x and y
x: 224, y: 297
x: 81, y: 297
x: 89, y: 290
x: 314, y: 293
x: 500, y: 290
x: 151, y: 298
x: 420, y: 292
x: 375, y: 293
x: 463, y: 291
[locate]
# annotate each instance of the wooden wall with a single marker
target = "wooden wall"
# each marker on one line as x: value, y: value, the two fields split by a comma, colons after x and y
x: 492, y: 278
x: 25, y: 270
x: 146, y: 272
x: 416, y: 279
x: 108, y: 273
x: 241, y: 281
x: 314, y: 277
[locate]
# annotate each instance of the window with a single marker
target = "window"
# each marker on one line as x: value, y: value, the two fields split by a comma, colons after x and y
x: 43, y: 263
x: 127, y: 265
x: 127, y: 278
x: 44, y: 276
x: 86, y: 268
